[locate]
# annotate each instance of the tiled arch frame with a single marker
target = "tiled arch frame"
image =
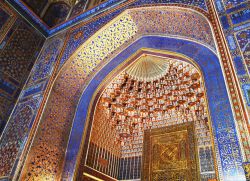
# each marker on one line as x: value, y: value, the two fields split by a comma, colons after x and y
x: 220, y: 110
x: 119, y: 63
x: 52, y: 134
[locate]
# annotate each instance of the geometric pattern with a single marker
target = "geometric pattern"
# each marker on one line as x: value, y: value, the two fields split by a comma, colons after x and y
x: 98, y: 48
x: 243, y: 38
x: 197, y: 4
x: 21, y: 46
x: 232, y: 3
x: 15, y: 133
x: 74, y: 74
x: 77, y: 85
x: 46, y: 61
x: 234, y: 18
x: 31, y: 96
x: 187, y: 26
x: 8, y: 147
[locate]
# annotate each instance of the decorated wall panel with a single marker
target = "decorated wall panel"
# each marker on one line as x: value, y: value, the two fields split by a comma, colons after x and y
x: 79, y: 13
x: 16, y: 133
x: 82, y: 5
x: 232, y: 3
x: 243, y: 39
x: 235, y: 19
x: 31, y: 96
x: 19, y: 46
x: 77, y: 37
x: 72, y: 79
x: 80, y: 34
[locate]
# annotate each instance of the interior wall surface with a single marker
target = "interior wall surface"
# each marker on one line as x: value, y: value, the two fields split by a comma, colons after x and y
x: 20, y: 45
x: 235, y: 20
x: 220, y: 110
x: 54, y: 129
x: 129, y: 166
x: 85, y: 64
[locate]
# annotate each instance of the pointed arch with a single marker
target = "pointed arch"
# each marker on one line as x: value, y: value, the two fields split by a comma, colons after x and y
x: 130, y: 31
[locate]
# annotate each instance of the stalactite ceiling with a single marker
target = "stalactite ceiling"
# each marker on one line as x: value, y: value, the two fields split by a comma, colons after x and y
x: 134, y: 101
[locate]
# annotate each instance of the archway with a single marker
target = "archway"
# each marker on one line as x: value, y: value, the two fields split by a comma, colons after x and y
x: 195, y: 40
x: 116, y: 138
x: 220, y: 109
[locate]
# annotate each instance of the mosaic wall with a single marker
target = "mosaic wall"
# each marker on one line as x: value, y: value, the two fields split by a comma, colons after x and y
x: 18, y: 52
x: 30, y: 99
x: 243, y: 39
x: 235, y: 20
x: 77, y: 37
x: 232, y: 3
x: 81, y: 6
x: 16, y: 133
x: 80, y: 34
x: 73, y: 76
x: 103, y: 7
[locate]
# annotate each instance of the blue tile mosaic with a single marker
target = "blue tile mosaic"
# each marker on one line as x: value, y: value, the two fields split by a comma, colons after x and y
x: 46, y: 60
x: 246, y: 88
x: 33, y: 90
x: 236, y: 8
x: 238, y: 28
x: 231, y: 42
x: 240, y: 16
x: 219, y: 6
x: 224, y: 22
x: 233, y: 3
x: 239, y: 66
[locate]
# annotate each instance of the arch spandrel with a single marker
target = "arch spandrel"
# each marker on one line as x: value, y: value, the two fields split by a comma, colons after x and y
x: 54, y: 128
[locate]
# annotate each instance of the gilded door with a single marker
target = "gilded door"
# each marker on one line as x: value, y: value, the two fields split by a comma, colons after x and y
x: 170, y: 154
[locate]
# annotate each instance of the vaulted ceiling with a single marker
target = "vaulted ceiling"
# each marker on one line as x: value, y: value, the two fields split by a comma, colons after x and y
x: 153, y: 92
